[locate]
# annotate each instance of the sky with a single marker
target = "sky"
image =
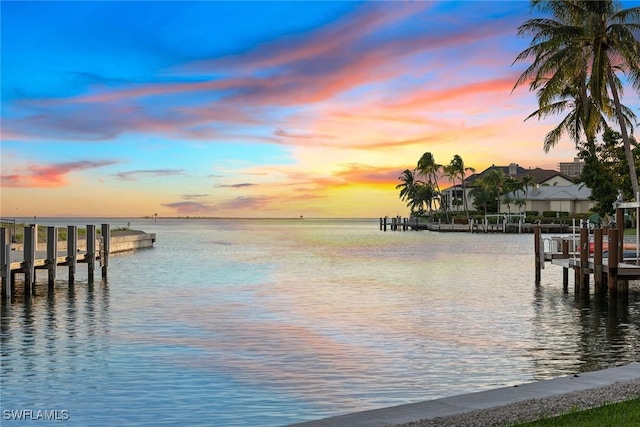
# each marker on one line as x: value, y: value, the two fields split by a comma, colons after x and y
x: 256, y: 109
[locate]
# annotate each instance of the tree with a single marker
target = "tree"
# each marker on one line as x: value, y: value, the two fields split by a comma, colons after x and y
x: 577, y: 54
x: 428, y: 168
x: 604, y: 171
x: 494, y: 180
x: 426, y: 195
x: 408, y: 187
x: 527, y: 181
x: 483, y: 197
x: 487, y: 189
x: 456, y: 169
x: 510, y: 187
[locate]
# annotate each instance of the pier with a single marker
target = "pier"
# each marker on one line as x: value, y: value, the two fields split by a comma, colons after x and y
x: 495, y: 223
x: 599, y: 254
x: 30, y: 256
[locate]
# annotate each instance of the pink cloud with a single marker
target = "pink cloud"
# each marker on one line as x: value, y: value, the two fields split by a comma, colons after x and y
x: 45, y: 176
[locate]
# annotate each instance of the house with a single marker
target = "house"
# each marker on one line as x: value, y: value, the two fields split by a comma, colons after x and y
x: 572, y: 198
x: 549, y: 190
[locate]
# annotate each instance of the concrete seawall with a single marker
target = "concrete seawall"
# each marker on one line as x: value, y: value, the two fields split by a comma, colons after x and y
x: 130, y: 242
x: 121, y: 241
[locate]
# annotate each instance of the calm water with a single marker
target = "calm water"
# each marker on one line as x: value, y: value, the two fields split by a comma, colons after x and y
x: 266, y: 323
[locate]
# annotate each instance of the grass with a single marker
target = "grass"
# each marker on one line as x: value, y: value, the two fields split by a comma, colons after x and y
x: 42, y: 233
x: 621, y: 414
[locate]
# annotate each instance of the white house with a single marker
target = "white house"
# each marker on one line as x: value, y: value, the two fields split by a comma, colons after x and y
x: 550, y: 190
x: 572, y: 198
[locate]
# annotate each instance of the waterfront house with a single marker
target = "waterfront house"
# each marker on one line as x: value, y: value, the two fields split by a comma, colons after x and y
x: 549, y: 190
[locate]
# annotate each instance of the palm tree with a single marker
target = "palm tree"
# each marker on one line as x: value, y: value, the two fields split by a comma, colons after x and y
x: 428, y: 168
x: 527, y: 181
x: 456, y: 169
x: 583, y: 46
x: 407, y: 187
x: 487, y: 189
x: 494, y: 179
x: 426, y: 194
x: 511, y: 187
x: 483, y: 196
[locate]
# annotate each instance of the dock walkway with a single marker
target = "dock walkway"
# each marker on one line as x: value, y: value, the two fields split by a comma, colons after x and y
x: 29, y: 257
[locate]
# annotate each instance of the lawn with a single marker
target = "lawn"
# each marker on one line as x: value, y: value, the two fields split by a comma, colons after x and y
x: 621, y: 414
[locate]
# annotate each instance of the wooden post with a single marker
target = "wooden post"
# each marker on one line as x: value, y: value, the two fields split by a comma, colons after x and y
x: 612, y: 278
x: 620, y: 227
x: 597, y: 261
x: 384, y: 224
x: 417, y: 228
x: 380, y: 223
x: 622, y: 284
x: 106, y: 247
x: 35, y: 232
x: 52, y: 255
x: 537, y: 250
x: 565, y: 270
x: 584, y: 260
x: 91, y: 250
x: 72, y: 249
x: 5, y: 261
x: 29, y: 260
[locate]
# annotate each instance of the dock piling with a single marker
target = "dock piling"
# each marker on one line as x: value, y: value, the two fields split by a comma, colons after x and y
x: 52, y: 255
x: 565, y: 270
x: 91, y: 251
x: 29, y: 251
x: 537, y: 240
x: 597, y: 261
x: 106, y: 247
x: 612, y: 278
x: 5, y: 262
x: 584, y: 260
x: 72, y: 249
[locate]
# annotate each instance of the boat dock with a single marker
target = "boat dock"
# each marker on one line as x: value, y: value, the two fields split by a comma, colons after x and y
x: 600, y: 254
x: 497, y: 223
x: 30, y: 256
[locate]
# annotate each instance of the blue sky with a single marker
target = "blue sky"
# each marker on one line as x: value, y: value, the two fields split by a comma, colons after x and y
x: 255, y: 108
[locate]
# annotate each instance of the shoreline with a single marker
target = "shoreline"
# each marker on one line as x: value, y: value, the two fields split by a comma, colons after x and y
x: 505, y: 405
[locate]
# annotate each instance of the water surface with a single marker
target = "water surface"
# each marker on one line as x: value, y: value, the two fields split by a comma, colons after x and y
x: 270, y: 322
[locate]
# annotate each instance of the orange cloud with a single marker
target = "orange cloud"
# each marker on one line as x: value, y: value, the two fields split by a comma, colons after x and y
x: 45, y: 176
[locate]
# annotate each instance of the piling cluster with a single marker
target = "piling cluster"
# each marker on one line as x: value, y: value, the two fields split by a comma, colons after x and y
x: 97, y: 251
x: 606, y: 263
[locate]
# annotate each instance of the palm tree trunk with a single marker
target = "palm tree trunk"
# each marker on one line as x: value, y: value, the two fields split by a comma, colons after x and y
x: 464, y: 199
x: 625, y: 139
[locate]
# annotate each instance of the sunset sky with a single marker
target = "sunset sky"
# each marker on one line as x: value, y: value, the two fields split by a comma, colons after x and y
x: 256, y: 109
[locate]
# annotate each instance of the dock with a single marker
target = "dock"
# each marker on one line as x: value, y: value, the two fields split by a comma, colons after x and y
x: 598, y: 254
x: 30, y: 256
x: 497, y: 223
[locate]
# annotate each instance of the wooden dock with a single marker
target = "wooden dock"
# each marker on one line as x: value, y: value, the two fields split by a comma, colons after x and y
x: 502, y: 225
x: 597, y: 254
x: 29, y: 257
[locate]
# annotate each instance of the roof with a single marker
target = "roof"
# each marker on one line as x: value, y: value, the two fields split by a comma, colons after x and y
x: 539, y: 175
x: 549, y: 192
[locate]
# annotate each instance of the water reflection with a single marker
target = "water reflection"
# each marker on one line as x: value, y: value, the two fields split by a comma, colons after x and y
x: 578, y: 334
x: 46, y: 338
